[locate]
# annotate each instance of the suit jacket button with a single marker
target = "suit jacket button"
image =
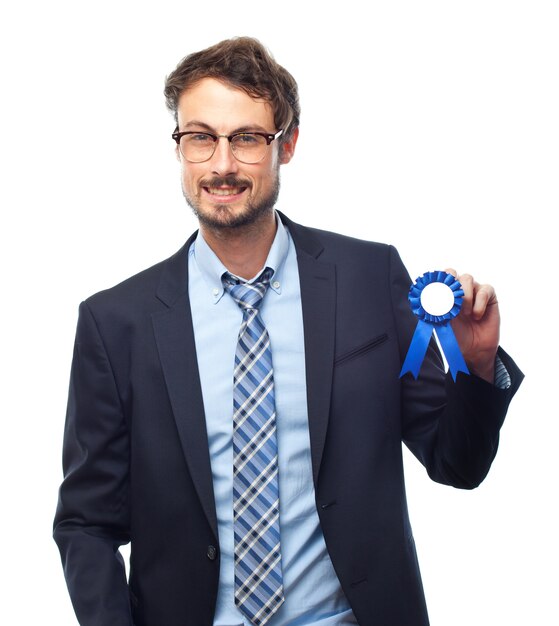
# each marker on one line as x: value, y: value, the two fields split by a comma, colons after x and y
x: 212, y: 553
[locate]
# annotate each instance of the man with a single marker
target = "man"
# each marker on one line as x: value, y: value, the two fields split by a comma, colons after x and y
x: 263, y: 347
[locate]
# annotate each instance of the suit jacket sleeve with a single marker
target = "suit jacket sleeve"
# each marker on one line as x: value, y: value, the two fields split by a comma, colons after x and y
x: 453, y: 429
x: 92, y: 516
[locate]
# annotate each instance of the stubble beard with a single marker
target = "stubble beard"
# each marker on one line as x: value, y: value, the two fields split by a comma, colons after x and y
x: 222, y: 219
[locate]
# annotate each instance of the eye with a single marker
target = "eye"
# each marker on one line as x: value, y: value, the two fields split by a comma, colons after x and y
x: 199, y: 138
x: 246, y: 139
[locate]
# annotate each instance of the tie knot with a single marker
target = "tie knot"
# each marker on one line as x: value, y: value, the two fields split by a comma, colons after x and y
x: 248, y: 295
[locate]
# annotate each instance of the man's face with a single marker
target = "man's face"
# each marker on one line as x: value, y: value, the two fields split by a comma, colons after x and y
x: 223, y: 192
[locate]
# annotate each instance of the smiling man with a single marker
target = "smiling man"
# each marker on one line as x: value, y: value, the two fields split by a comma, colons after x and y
x: 235, y: 195
x: 230, y: 168
x: 236, y: 412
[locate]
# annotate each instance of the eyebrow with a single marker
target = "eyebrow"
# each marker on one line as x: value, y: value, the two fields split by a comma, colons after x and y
x: 240, y: 129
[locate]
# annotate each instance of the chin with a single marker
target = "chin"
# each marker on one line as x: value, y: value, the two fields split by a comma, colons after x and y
x: 231, y: 220
x: 221, y: 217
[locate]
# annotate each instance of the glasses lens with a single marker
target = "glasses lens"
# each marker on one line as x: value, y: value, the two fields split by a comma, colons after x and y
x: 248, y: 148
x: 197, y: 147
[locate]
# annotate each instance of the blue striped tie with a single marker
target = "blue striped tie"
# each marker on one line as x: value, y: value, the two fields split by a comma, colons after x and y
x: 258, y: 572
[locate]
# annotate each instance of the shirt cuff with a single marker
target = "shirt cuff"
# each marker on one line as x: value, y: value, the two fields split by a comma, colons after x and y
x: 502, y: 378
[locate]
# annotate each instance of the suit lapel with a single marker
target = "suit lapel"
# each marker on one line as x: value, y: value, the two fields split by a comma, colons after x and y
x: 174, y: 335
x: 318, y: 300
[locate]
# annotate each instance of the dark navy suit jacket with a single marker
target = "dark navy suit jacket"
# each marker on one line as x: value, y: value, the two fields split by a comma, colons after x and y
x: 136, y: 458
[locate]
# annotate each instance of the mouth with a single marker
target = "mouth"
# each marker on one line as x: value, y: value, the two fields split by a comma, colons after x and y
x: 224, y: 191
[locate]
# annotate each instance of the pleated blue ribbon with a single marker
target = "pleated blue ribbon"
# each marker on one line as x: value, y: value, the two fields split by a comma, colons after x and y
x: 440, y: 324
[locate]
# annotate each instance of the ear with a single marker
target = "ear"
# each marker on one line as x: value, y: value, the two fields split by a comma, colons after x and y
x: 288, y: 148
x: 177, y: 152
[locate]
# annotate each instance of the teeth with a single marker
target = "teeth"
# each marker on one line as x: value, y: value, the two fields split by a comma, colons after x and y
x: 220, y: 191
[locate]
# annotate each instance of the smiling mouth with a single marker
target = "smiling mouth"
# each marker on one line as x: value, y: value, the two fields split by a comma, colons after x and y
x: 224, y: 191
x: 224, y: 186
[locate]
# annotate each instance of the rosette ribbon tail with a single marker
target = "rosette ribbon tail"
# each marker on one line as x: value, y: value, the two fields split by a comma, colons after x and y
x: 418, y: 348
x: 420, y: 343
x: 451, y: 350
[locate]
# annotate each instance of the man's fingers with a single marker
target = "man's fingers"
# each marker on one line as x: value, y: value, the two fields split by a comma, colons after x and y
x: 468, y: 286
x: 484, y: 295
x: 476, y: 297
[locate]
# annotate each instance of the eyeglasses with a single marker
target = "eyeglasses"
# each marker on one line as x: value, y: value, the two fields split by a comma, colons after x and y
x: 197, y: 147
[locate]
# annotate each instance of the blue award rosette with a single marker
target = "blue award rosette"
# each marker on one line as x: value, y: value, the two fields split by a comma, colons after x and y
x: 440, y: 324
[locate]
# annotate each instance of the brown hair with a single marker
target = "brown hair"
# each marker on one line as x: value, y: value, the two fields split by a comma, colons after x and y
x: 244, y: 63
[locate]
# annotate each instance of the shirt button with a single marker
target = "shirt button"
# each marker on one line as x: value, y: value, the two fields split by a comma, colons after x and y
x: 215, y: 292
x: 211, y: 553
x: 276, y: 284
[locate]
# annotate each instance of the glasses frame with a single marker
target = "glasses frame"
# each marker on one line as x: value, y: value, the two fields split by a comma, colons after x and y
x: 269, y: 137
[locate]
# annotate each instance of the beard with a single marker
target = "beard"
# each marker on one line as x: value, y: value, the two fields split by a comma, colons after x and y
x: 221, y: 217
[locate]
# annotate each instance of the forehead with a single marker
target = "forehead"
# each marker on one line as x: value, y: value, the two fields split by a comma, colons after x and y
x: 222, y: 107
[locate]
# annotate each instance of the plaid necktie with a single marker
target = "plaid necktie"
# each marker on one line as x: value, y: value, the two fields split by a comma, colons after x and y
x: 258, y: 573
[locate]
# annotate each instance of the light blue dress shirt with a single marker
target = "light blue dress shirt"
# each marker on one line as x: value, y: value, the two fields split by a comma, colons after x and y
x: 313, y: 595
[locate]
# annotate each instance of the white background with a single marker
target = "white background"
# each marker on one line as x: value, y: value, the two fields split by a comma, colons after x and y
x: 448, y: 113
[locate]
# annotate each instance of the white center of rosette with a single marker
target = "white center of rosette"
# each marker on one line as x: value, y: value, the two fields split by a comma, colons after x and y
x: 437, y: 298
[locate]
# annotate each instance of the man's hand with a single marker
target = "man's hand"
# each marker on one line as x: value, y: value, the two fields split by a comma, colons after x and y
x: 477, y: 326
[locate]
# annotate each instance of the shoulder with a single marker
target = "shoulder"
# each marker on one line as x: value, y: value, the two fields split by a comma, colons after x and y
x: 145, y: 290
x: 337, y: 241
x: 335, y: 247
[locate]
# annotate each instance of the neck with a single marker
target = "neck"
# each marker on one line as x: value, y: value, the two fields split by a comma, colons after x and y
x: 244, y: 250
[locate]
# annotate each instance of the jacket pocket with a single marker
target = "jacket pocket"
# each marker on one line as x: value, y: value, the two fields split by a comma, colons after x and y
x: 361, y: 350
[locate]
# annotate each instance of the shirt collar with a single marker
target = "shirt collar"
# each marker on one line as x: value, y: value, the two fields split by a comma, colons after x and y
x: 212, y: 269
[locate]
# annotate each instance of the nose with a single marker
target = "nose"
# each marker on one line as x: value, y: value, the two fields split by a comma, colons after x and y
x: 223, y: 162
